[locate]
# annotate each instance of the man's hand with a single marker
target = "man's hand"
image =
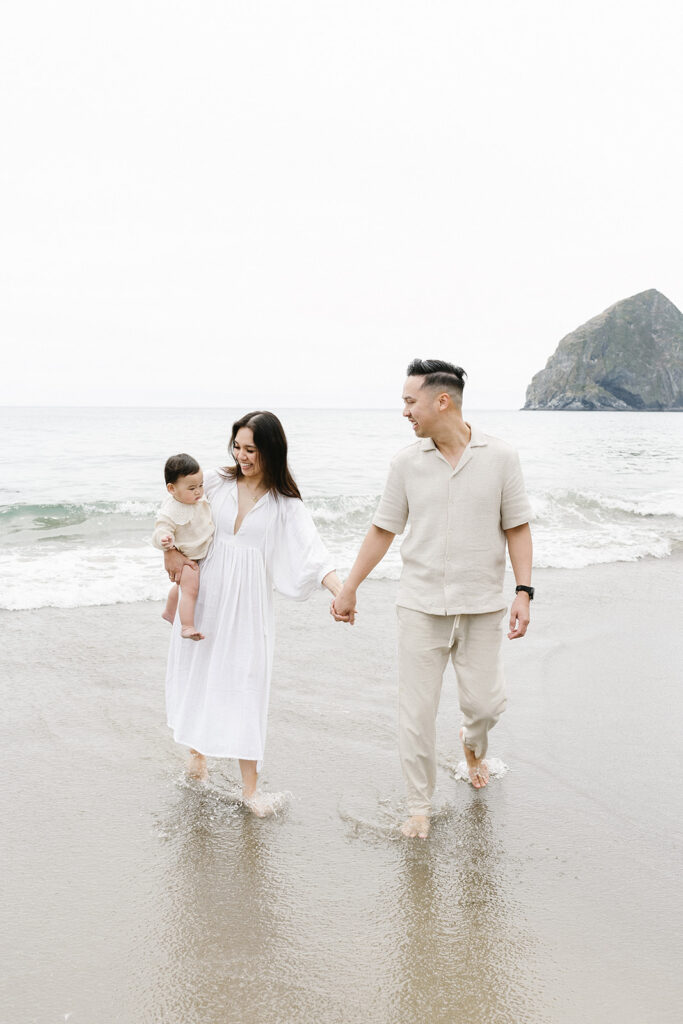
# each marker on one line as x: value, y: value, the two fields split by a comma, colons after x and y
x: 520, y: 616
x: 174, y: 561
x: 343, y: 607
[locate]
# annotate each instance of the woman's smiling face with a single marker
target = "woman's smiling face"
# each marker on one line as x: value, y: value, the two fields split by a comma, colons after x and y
x: 246, y: 453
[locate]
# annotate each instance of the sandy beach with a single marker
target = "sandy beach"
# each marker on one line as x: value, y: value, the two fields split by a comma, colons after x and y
x: 555, y: 895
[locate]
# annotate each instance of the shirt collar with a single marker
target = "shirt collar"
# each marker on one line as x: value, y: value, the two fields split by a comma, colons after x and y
x: 477, y: 440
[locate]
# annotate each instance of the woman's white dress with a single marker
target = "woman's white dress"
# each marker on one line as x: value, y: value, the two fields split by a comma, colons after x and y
x: 217, y: 689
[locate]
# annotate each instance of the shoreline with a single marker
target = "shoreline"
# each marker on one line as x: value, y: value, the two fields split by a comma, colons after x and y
x: 676, y: 555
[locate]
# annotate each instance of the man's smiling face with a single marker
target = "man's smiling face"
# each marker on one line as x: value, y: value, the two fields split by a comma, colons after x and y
x: 420, y: 406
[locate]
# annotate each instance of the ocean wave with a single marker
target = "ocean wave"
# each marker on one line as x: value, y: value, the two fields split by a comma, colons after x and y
x: 51, y: 516
x: 591, y: 503
x: 100, y: 553
x: 346, y: 510
x: 573, y: 529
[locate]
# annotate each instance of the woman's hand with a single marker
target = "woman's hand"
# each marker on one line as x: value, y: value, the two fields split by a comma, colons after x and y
x: 174, y: 562
x: 343, y: 607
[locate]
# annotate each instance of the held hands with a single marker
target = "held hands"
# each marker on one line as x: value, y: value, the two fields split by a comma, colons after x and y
x: 343, y: 606
x: 520, y: 616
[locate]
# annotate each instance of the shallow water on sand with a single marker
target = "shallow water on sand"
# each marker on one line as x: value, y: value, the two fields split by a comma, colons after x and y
x: 137, y: 896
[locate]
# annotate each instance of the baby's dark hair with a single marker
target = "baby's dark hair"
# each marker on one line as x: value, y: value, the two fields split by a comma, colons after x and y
x: 180, y: 465
x: 439, y: 374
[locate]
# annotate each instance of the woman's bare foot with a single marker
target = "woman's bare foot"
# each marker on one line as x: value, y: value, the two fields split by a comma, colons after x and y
x: 260, y: 804
x: 477, y: 768
x: 416, y: 826
x: 190, y: 633
x: 196, y: 767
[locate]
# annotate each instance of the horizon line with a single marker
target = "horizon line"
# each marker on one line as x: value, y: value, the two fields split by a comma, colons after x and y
x: 291, y: 408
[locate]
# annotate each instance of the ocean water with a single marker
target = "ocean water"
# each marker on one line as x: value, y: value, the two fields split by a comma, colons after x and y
x: 79, y: 488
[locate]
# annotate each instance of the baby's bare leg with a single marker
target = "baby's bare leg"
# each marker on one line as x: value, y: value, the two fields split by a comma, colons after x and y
x: 189, y: 588
x: 171, y: 604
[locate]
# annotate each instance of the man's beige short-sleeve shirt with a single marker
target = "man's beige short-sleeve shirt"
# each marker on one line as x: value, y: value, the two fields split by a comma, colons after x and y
x: 454, y: 553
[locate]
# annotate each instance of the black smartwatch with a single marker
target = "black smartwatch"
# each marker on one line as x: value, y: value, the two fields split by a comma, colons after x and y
x: 527, y: 590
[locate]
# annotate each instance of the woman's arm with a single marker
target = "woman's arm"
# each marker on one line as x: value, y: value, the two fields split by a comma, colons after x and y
x: 332, y: 583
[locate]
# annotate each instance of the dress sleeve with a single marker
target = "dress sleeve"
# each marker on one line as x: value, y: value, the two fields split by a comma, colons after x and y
x: 213, y: 478
x: 300, y: 560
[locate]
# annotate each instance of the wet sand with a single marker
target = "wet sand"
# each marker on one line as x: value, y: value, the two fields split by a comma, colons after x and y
x: 555, y: 895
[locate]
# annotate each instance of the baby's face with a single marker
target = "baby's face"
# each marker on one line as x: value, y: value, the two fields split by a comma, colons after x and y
x: 188, y: 489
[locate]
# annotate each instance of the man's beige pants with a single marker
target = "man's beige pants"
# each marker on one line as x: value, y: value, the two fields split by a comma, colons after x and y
x: 425, y: 643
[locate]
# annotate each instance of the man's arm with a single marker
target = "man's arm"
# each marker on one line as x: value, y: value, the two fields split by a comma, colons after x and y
x: 174, y: 561
x: 373, y: 549
x: 520, y: 549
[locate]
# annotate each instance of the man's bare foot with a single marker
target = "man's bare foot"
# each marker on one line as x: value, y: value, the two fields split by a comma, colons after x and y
x: 260, y: 804
x: 416, y: 826
x: 190, y: 633
x: 477, y: 768
x: 196, y: 767
x: 167, y: 616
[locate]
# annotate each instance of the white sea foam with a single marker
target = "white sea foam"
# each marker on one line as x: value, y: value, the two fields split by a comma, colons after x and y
x: 136, y: 509
x: 496, y: 767
x: 82, y: 577
x: 573, y: 529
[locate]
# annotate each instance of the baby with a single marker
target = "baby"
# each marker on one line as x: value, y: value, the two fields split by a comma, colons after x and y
x: 184, y: 522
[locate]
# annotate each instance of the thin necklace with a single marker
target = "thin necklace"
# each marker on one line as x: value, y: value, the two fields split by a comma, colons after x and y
x: 254, y: 497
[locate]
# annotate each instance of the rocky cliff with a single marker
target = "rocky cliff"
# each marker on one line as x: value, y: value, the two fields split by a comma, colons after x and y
x: 629, y: 358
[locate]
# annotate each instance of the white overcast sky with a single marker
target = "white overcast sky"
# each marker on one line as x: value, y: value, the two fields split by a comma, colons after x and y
x: 280, y: 203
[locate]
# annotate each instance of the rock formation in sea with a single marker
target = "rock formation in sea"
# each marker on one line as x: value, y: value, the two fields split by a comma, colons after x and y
x: 628, y: 358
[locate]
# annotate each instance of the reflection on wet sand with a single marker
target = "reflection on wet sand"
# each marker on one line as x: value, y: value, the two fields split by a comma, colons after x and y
x: 223, y: 925
x: 462, y: 948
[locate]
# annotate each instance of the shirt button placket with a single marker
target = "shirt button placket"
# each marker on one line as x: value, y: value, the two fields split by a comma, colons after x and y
x: 447, y: 560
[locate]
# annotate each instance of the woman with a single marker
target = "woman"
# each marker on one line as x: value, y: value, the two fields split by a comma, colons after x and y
x: 217, y: 690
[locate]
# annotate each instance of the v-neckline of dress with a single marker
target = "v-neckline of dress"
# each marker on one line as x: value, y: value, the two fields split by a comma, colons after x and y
x: 248, y: 512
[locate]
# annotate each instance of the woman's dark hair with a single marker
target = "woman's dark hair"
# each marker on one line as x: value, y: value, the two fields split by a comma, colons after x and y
x: 438, y: 374
x: 270, y: 440
x: 180, y: 465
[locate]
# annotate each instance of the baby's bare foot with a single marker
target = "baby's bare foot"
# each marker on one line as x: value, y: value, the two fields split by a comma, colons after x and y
x: 191, y: 633
x: 167, y: 616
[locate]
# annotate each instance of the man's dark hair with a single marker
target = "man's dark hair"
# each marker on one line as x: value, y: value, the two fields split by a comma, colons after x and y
x: 180, y: 465
x: 439, y: 374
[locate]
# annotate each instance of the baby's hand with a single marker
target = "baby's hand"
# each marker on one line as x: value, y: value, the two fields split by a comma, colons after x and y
x: 167, y: 542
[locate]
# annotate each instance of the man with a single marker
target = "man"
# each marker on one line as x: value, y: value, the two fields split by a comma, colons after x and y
x: 464, y: 496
